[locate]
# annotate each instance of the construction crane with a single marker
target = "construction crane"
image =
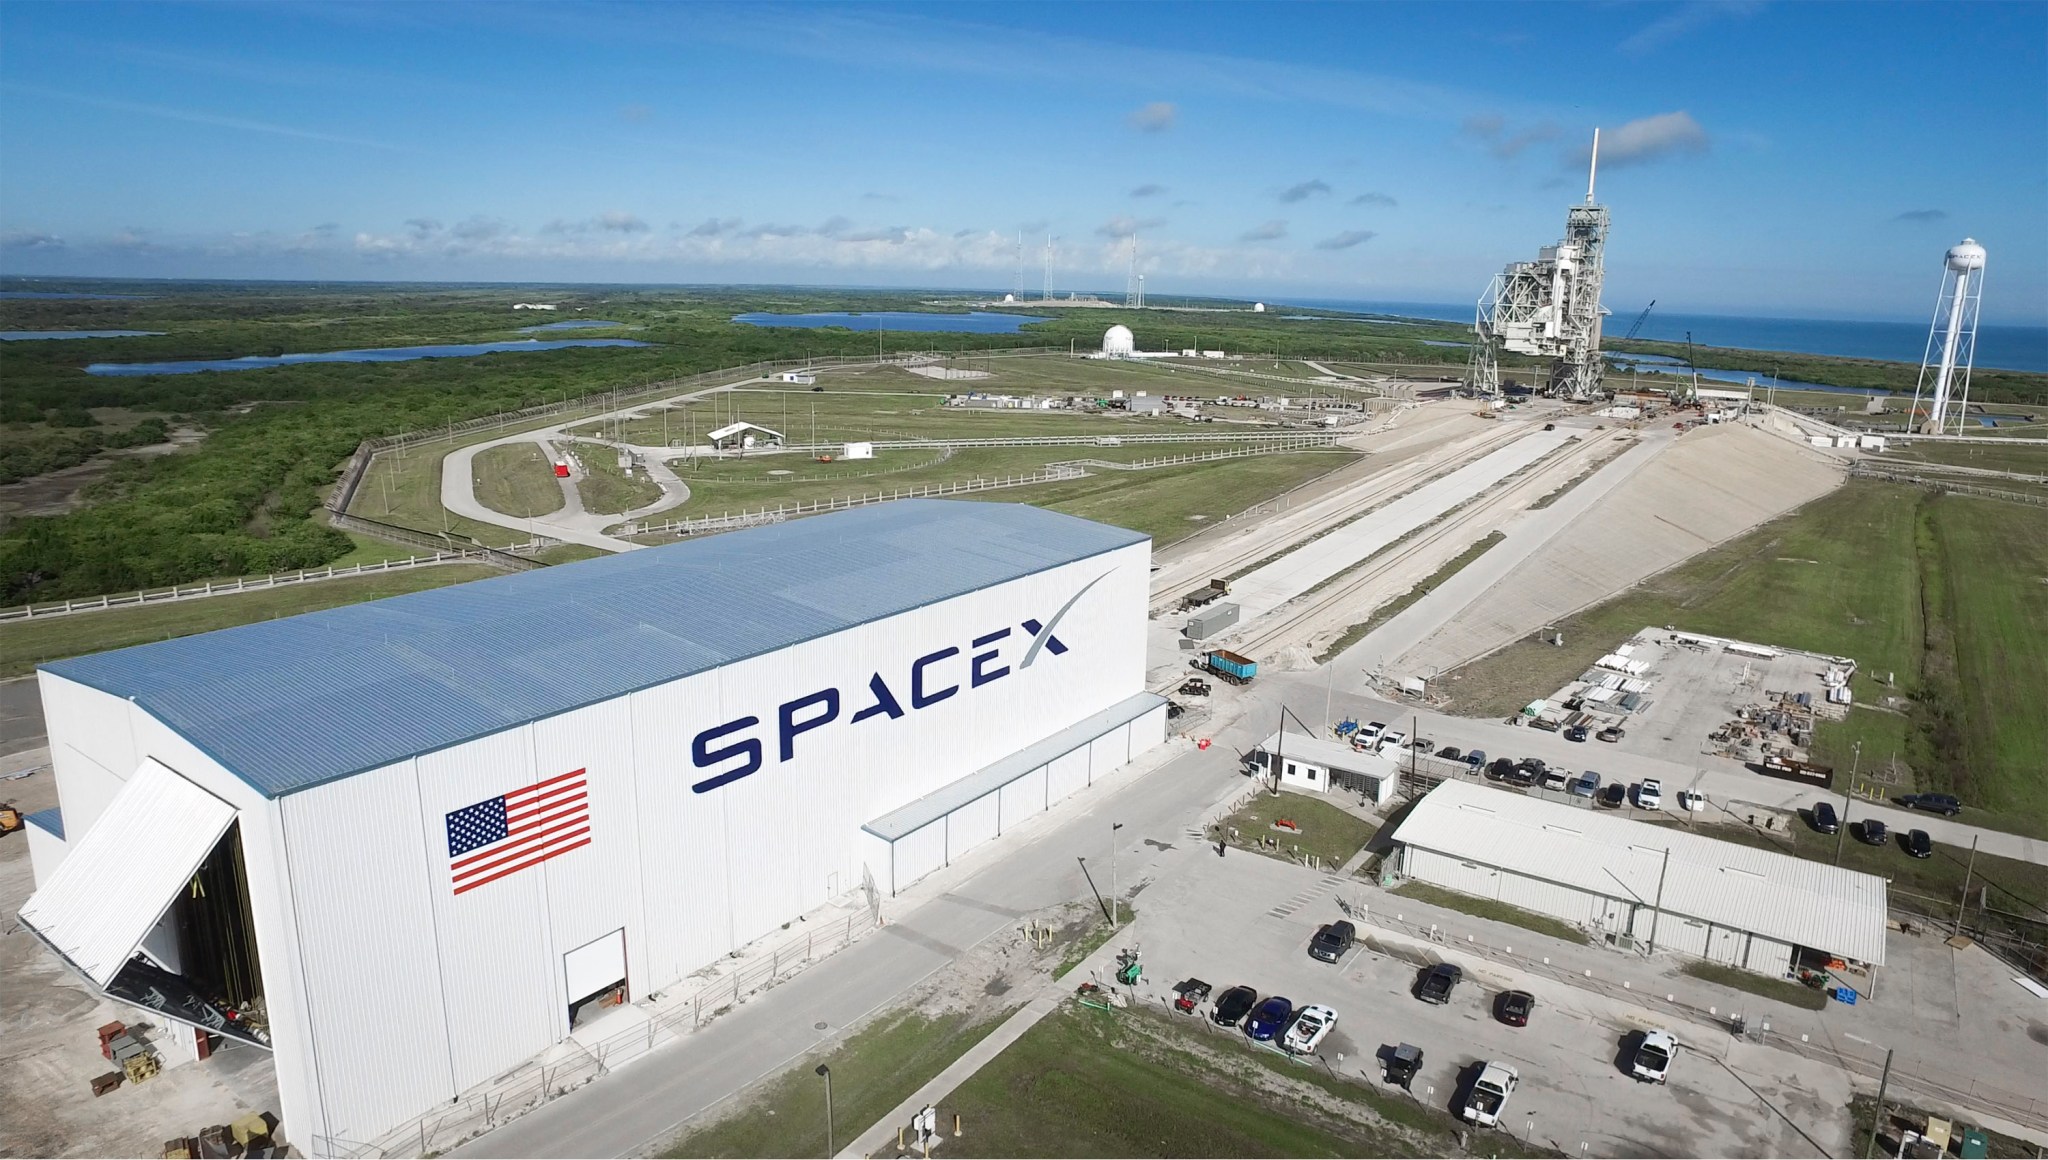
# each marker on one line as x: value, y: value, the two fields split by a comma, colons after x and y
x: 1640, y: 318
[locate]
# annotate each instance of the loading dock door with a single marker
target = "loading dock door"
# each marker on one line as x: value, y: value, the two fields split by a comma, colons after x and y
x: 122, y: 874
x: 595, y: 966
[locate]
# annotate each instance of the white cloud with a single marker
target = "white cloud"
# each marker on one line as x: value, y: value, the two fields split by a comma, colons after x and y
x: 1685, y: 20
x: 30, y: 240
x: 1491, y: 128
x: 1648, y: 139
x: 1302, y: 191
x: 1270, y: 231
x: 1156, y: 117
x: 1346, y: 240
x: 1148, y: 190
x: 1124, y: 227
x: 1379, y: 199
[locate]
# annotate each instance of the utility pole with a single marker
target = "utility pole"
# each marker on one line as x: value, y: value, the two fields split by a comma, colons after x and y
x: 1877, y: 1115
x: 1843, y: 832
x: 1964, y: 903
x: 1657, y: 910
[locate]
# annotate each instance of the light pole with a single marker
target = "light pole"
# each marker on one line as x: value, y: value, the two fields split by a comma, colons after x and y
x: 827, y: 1073
x: 1114, y: 905
x: 1843, y: 831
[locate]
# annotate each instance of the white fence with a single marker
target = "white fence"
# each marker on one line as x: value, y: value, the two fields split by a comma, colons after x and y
x: 231, y: 587
x: 575, y: 1062
x: 1293, y: 438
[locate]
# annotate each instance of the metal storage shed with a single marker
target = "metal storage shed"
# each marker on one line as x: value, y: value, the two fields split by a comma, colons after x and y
x: 1719, y: 900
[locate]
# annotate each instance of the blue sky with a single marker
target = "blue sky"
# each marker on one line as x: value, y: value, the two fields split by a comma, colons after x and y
x: 1796, y: 159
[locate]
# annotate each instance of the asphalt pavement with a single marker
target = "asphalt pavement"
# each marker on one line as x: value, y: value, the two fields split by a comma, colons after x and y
x: 21, y: 715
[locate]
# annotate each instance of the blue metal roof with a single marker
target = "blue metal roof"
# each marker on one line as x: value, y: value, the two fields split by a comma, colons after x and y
x: 288, y: 704
x: 50, y: 820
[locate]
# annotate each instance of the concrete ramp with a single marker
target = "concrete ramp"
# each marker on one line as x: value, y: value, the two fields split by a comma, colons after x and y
x: 1711, y: 485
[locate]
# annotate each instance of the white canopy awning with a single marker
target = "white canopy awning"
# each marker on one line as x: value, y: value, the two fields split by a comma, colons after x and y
x: 122, y: 874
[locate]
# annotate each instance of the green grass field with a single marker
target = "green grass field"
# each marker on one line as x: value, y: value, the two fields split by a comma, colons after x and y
x: 518, y: 480
x: 875, y: 1069
x: 1491, y: 909
x: 25, y: 644
x: 2029, y: 459
x: 406, y: 490
x: 1172, y: 503
x: 606, y: 488
x: 1087, y: 1083
x: 1326, y: 831
x: 1936, y: 589
x: 1782, y: 990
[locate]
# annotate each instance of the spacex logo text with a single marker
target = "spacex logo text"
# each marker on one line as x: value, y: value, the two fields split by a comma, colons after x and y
x: 735, y: 748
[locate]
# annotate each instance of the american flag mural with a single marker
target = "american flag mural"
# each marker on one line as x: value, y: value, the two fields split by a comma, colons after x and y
x: 517, y: 830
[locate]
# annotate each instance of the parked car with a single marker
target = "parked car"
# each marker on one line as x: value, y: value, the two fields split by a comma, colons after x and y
x: 1871, y: 832
x: 1575, y: 733
x: 1451, y: 753
x: 1611, y: 734
x: 1423, y: 745
x: 1918, y: 844
x: 1555, y: 780
x: 1438, y: 984
x: 1500, y: 769
x: 1370, y: 735
x: 1233, y: 1005
x: 1587, y: 784
x: 1513, y: 1008
x: 1824, y: 819
x: 1691, y: 799
x: 1650, y: 794
x: 1615, y: 795
x: 1934, y: 803
x: 1651, y: 1062
x: 1332, y: 940
x: 1487, y: 1100
x: 1392, y: 742
x: 1535, y: 765
x: 1475, y: 757
x: 1310, y: 1025
x: 1268, y: 1018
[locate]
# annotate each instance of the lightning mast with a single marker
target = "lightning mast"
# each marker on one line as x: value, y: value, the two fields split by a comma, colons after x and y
x: 1549, y: 307
x: 1133, y: 296
x: 1955, y: 330
x: 1048, y: 268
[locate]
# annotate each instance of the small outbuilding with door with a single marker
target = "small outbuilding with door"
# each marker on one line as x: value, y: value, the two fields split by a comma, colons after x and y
x: 1661, y: 887
x: 1314, y: 765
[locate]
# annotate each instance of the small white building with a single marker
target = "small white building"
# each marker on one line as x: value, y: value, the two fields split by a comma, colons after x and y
x: 1314, y: 765
x: 857, y: 451
x: 743, y: 436
x: 533, y: 306
x: 1661, y: 884
x: 801, y: 378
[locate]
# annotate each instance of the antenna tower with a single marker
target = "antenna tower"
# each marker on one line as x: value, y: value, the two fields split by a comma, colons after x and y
x: 1017, y: 280
x: 1048, y: 268
x: 1954, y: 332
x: 1549, y: 307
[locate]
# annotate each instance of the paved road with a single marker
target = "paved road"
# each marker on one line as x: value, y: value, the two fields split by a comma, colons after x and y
x: 640, y: 1107
x: 1525, y: 536
x: 21, y: 715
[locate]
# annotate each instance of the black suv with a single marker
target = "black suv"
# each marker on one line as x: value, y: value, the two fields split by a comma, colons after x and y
x: 1332, y: 941
x: 1437, y: 985
x: 1934, y: 803
x: 1233, y: 1005
x: 1824, y: 819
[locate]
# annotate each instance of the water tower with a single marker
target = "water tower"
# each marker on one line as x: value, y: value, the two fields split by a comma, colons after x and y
x: 1954, y: 335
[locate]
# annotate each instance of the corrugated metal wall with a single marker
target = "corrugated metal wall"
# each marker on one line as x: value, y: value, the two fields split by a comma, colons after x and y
x: 687, y: 875
x: 373, y: 984
x: 917, y: 854
x: 971, y: 825
x: 1067, y: 774
x: 1108, y: 752
x: 92, y: 748
x: 1023, y: 798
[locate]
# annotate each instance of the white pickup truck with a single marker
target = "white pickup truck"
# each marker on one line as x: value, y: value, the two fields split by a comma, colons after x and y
x: 1488, y: 1099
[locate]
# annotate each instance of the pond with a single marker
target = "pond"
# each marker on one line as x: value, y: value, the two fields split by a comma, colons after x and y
x: 973, y: 322
x: 572, y: 324
x: 381, y: 354
x: 31, y: 335
x: 1723, y: 376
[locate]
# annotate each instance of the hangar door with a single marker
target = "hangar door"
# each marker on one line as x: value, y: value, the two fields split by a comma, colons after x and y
x: 594, y: 969
x: 124, y: 873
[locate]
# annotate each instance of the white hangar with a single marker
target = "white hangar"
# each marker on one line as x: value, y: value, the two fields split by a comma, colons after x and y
x: 1657, y: 884
x: 398, y: 843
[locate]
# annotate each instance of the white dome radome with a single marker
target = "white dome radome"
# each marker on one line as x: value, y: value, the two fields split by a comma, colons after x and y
x: 1119, y: 340
x: 1966, y: 256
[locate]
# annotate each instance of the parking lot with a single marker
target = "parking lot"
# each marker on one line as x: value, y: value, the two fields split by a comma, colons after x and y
x: 1240, y: 920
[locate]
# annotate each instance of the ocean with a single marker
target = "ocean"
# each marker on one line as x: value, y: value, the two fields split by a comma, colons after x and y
x: 2016, y: 348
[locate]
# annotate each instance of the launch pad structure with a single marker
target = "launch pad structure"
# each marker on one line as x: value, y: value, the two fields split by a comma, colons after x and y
x: 1550, y: 307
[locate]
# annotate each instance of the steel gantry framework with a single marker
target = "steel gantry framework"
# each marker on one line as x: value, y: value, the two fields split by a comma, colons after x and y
x: 1549, y: 307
